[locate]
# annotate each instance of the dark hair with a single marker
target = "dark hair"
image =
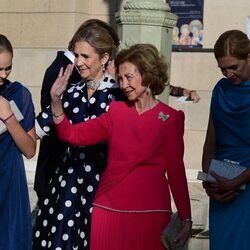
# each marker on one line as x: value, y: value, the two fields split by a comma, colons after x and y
x: 232, y: 43
x: 102, y: 37
x: 5, y: 45
x: 150, y: 64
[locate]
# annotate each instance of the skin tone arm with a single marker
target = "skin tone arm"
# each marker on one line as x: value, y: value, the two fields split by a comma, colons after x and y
x: 222, y: 190
x: 25, y: 141
x: 56, y: 92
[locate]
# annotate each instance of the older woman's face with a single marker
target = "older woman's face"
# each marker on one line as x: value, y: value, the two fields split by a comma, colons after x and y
x: 5, y: 66
x: 236, y: 70
x: 130, y: 81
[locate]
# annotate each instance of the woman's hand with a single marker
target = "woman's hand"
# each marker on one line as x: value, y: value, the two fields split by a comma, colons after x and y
x: 61, y: 83
x: 184, y: 234
x: 214, y: 192
x: 5, y: 110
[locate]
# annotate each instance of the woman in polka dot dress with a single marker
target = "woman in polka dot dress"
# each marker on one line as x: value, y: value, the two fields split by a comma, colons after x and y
x: 63, y: 220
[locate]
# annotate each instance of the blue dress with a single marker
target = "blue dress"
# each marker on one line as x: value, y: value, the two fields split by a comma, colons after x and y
x: 64, y: 216
x: 230, y: 106
x: 15, y: 216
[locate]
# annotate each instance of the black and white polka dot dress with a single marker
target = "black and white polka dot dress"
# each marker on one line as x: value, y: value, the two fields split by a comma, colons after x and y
x: 64, y: 216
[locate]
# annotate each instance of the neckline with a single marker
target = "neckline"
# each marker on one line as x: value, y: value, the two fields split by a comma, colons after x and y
x: 147, y: 110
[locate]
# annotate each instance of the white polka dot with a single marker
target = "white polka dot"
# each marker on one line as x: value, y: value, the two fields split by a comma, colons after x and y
x: 76, y: 110
x: 46, y: 129
x: 97, y: 177
x: 53, y: 190
x: 76, y: 95
x: 90, y: 210
x: 92, y: 100
x: 51, y: 210
x: 49, y: 244
x: 83, y: 201
x: 68, y: 203
x: 80, y: 181
x: 107, y: 108
x: 78, y: 214
x: 39, y: 212
x: 87, y: 168
x: 93, y: 117
x: 44, y: 115
x: 60, y: 178
x: 90, y: 188
x: 65, y: 237
x: 70, y: 223
x: 43, y: 243
x: 73, y: 190
x: 84, y: 99
x: 66, y: 104
x: 82, y: 156
x: 45, y: 223
x: 53, y: 229
x: 63, y: 183
x: 46, y: 202
x: 85, y: 221
x: 103, y: 105
x: 58, y: 248
x: 70, y: 170
x: 85, y: 243
x: 37, y: 234
x: 60, y: 216
x: 70, y: 90
x: 82, y: 235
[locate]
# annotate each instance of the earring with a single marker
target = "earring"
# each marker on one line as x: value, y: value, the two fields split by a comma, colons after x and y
x: 148, y: 91
x: 103, y: 67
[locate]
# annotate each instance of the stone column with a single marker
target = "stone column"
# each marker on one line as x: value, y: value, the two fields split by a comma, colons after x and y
x: 147, y: 21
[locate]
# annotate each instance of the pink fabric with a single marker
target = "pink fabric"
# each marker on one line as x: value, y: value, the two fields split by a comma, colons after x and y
x: 127, y: 231
x: 141, y: 149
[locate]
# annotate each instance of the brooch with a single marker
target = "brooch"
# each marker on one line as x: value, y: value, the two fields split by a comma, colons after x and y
x: 162, y: 116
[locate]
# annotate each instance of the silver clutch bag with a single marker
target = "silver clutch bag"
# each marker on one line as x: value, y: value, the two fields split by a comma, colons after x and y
x: 171, y: 231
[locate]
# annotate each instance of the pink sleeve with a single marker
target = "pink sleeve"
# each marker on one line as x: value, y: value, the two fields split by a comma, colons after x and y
x: 84, y: 133
x: 175, y: 166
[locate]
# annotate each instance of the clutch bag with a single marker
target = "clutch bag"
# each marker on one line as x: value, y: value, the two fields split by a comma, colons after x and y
x: 226, y: 169
x: 171, y: 231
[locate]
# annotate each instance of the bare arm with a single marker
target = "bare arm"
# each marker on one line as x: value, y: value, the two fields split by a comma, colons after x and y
x: 209, y: 145
x: 56, y: 92
x: 25, y: 141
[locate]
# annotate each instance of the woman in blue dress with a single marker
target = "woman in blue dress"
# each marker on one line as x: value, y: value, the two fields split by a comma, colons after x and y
x: 63, y: 219
x: 16, y: 140
x: 228, y: 137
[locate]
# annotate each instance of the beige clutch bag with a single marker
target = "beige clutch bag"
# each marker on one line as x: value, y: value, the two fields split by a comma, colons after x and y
x: 170, y: 232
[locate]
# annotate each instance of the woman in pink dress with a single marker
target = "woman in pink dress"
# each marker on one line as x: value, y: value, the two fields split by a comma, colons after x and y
x: 132, y: 204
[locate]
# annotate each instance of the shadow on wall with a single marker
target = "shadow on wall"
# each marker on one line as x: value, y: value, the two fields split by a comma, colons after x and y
x: 113, y: 7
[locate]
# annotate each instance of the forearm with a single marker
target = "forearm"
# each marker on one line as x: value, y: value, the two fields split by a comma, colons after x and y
x: 25, y: 141
x: 57, y: 110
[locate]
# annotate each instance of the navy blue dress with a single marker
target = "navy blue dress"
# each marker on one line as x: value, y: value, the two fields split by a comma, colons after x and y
x: 64, y: 215
x: 15, y: 216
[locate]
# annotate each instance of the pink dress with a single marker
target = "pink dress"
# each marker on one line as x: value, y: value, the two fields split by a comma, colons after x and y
x: 134, y: 193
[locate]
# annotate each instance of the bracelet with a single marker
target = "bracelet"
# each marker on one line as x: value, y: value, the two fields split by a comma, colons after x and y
x: 6, y: 119
x: 56, y: 116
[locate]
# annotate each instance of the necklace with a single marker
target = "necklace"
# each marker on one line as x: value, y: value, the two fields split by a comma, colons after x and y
x: 94, y: 84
